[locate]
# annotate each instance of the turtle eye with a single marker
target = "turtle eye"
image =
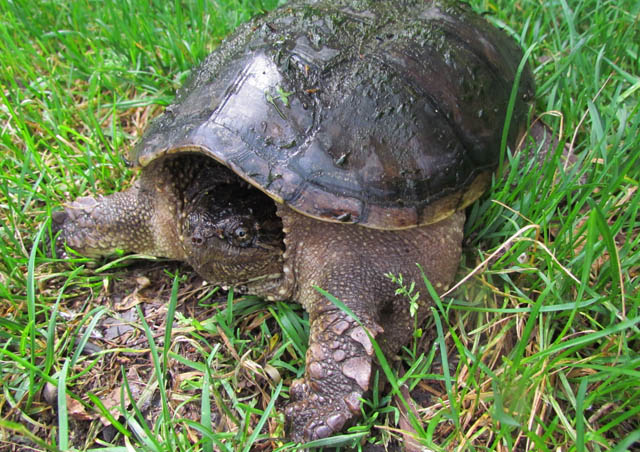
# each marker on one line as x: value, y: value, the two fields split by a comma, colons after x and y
x: 242, y: 236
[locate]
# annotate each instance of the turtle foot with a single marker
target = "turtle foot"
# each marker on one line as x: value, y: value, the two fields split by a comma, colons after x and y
x: 74, y: 227
x: 311, y: 416
x: 338, y: 373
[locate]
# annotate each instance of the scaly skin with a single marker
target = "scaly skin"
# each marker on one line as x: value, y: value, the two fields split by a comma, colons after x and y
x: 132, y: 220
x: 346, y: 260
x: 184, y: 208
x: 350, y: 262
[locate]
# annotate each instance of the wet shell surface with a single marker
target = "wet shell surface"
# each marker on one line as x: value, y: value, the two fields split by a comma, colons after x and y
x: 385, y: 114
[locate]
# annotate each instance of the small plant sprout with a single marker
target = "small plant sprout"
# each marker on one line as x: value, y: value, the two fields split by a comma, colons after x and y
x: 410, y: 292
x: 283, y: 95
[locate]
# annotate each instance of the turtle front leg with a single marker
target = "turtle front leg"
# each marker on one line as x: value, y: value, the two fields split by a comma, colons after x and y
x: 135, y: 220
x: 350, y: 262
x: 338, y: 373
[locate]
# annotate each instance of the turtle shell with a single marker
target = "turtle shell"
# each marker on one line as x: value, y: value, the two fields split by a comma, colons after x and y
x: 387, y: 114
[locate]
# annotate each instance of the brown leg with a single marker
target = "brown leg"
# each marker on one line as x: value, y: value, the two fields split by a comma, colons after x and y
x: 351, y: 262
x: 98, y: 226
x: 338, y: 373
x: 136, y: 220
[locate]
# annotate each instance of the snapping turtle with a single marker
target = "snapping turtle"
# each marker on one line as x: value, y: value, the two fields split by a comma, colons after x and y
x: 325, y: 144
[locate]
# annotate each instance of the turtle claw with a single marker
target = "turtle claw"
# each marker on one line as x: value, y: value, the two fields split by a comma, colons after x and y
x: 314, y: 417
x: 53, y: 244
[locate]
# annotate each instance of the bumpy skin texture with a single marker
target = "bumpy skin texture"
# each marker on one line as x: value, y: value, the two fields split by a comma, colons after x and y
x: 350, y: 263
x: 324, y: 145
x: 346, y: 260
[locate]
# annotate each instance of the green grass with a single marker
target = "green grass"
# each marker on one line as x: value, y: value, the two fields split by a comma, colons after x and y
x: 538, y: 350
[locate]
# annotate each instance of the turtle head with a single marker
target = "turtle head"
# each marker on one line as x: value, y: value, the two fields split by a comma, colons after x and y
x: 232, y: 236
